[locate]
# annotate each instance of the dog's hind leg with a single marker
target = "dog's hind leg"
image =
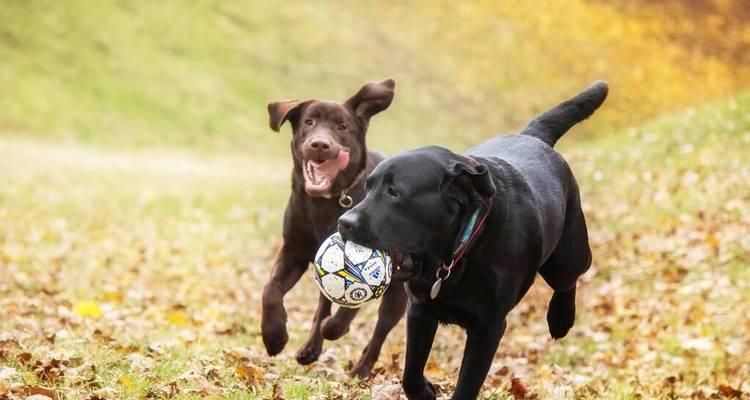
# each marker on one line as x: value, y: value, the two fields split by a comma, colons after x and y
x: 310, y: 351
x: 561, y: 312
x: 391, y: 310
x: 571, y: 259
x: 337, y: 325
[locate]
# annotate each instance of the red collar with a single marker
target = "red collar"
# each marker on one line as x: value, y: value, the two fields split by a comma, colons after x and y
x: 469, y: 232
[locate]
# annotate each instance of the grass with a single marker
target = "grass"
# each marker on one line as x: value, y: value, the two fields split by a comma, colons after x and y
x: 141, y: 192
x: 147, y: 265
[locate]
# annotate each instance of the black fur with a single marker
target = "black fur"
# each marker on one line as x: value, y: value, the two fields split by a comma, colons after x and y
x: 550, y: 126
x: 416, y: 203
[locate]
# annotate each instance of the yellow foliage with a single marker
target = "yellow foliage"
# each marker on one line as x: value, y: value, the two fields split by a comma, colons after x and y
x: 506, y: 61
x: 126, y: 381
x: 178, y: 318
x: 113, y: 297
x: 88, y: 309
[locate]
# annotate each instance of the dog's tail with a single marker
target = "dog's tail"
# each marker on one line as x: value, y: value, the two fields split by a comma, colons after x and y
x: 551, y: 125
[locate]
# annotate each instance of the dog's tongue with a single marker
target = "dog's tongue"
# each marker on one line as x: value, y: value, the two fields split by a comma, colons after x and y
x: 319, y: 181
x: 329, y: 169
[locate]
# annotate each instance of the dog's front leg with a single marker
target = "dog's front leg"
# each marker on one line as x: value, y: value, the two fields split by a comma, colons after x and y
x: 390, y: 312
x: 481, y: 345
x: 290, y: 264
x: 420, y: 333
x: 310, y: 351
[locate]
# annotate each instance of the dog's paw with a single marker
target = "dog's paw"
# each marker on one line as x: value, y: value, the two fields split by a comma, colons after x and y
x: 275, y: 341
x: 310, y: 352
x: 561, y: 314
x: 363, y: 368
x: 423, y: 390
x: 333, y: 329
x: 273, y: 332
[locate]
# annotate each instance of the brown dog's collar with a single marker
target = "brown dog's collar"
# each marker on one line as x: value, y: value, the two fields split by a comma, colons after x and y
x: 345, y: 200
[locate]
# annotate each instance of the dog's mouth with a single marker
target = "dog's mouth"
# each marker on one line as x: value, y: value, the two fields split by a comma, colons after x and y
x: 320, y: 175
x: 405, y: 265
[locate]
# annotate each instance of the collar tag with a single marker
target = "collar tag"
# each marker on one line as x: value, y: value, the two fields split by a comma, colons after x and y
x: 436, y: 288
x: 345, y: 200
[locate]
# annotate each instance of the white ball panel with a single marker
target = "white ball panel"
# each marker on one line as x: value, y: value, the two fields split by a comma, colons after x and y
x: 333, y: 285
x: 356, y: 253
x: 374, y: 271
x: 332, y: 259
x: 388, y: 268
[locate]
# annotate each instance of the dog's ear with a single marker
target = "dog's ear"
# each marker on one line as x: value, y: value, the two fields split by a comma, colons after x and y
x: 471, y: 177
x: 280, y: 111
x: 372, y: 98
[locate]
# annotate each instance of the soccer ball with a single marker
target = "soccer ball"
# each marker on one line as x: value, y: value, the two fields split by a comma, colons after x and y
x: 350, y: 274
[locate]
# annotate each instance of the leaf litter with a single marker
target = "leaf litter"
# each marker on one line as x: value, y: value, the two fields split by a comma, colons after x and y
x: 160, y: 298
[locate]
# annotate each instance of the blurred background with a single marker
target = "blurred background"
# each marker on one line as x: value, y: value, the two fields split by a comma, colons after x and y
x: 142, y: 191
x: 198, y: 74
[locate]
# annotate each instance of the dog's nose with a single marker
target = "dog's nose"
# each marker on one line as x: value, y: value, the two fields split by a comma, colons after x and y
x: 347, y: 224
x: 321, y: 145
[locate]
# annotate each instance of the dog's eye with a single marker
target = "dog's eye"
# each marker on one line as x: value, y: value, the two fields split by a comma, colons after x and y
x: 392, y: 192
x: 342, y: 127
x: 309, y: 122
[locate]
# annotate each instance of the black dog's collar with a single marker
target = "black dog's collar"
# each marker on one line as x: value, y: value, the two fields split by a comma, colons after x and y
x: 469, y: 232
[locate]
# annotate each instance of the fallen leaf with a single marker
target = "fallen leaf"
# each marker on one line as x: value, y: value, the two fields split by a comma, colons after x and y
x: 25, y: 358
x: 113, y: 297
x: 9, y: 344
x: 518, y: 389
x: 250, y: 374
x: 87, y: 309
x: 432, y: 369
x: 131, y: 348
x: 167, y: 391
x: 139, y: 362
x: 103, y: 394
x: 212, y: 374
x: 178, y: 318
x: 50, y: 371
x: 39, y: 390
x: 386, y: 392
x: 712, y: 240
x: 729, y: 391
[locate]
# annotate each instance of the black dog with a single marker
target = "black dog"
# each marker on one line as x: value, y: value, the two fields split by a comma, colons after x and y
x: 475, y: 230
x: 330, y: 163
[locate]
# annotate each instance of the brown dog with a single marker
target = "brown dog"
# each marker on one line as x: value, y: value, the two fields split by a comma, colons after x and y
x: 330, y: 164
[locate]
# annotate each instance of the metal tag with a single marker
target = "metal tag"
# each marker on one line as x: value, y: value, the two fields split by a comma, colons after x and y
x: 436, y: 288
x: 345, y: 200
